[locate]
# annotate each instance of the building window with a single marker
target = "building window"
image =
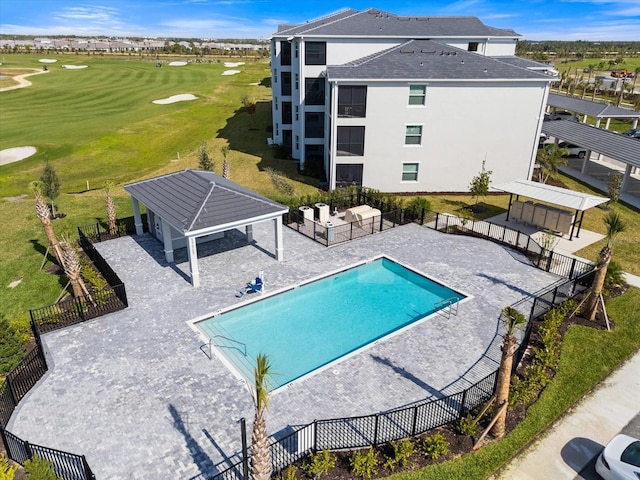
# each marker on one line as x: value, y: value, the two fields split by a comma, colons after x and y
x: 409, y: 172
x: 297, y: 48
x: 286, y: 113
x: 315, y: 53
x: 413, y: 135
x: 297, y: 81
x: 297, y: 142
x: 297, y: 113
x: 348, y: 174
x: 417, y: 94
x: 275, y: 75
x: 314, y: 125
x: 350, y: 141
x: 352, y: 101
x: 285, y: 86
x: 275, y: 102
x: 473, y: 46
x: 277, y: 129
x: 285, y: 53
x: 314, y: 91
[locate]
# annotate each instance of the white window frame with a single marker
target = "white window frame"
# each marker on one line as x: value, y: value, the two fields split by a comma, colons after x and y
x: 417, y: 172
x: 423, y: 96
x: 407, y: 134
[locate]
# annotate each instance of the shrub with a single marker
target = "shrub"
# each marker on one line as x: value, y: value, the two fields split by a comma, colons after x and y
x: 7, y: 471
x: 280, y: 181
x: 11, y: 346
x: 614, y: 275
x: 468, y: 425
x: 319, y: 463
x: 364, y: 462
x: 435, y: 446
x: 401, y: 453
x: 40, y: 469
x: 289, y: 473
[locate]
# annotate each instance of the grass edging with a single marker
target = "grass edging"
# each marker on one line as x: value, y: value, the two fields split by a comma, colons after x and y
x: 587, y: 357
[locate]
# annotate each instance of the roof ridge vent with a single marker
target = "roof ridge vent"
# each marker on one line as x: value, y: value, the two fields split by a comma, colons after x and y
x: 407, y: 50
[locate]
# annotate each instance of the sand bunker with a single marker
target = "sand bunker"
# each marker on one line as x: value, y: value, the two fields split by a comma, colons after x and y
x: 10, y: 155
x: 230, y: 72
x: 21, y: 80
x: 233, y: 64
x: 177, y: 64
x: 74, y: 67
x: 175, y: 98
x: 47, y: 60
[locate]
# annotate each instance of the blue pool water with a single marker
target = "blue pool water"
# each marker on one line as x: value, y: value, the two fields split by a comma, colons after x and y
x: 307, y: 327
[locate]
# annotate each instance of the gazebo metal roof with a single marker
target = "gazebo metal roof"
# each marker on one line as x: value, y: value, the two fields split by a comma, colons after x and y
x: 589, y: 107
x: 548, y: 193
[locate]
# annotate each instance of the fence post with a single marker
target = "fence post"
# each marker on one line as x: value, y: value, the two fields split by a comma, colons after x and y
x: 518, y: 239
x: 36, y: 335
x: 573, y: 267
x: 437, y: 219
x: 422, y: 216
x: 555, y: 293
x: 351, y: 231
x: 12, y: 392
x: 381, y: 221
x: 315, y: 435
x: 375, y: 432
x: 98, y: 231
x: 415, y: 421
x: 245, y: 450
x: 464, y: 400
x: 27, y: 449
x: 549, y: 261
x: 533, y: 307
x: 504, y: 232
x: 5, y: 442
x: 87, y: 470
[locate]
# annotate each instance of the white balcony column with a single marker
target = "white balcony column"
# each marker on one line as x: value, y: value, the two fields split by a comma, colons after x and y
x: 192, y: 252
x: 168, y: 242
x: 137, y: 218
x: 277, y: 224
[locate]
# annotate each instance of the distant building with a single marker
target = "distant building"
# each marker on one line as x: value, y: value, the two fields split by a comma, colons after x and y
x: 406, y: 104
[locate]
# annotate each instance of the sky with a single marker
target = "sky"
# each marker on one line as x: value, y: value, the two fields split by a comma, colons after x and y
x: 594, y: 20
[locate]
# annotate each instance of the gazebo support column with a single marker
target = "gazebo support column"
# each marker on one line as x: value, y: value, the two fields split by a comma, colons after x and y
x: 509, y: 207
x: 585, y: 162
x: 277, y: 224
x: 137, y: 218
x: 248, y: 230
x: 168, y: 243
x: 192, y: 252
x: 625, y: 179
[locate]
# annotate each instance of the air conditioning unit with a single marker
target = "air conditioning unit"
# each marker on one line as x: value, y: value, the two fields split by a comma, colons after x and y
x: 307, y: 214
x: 322, y: 212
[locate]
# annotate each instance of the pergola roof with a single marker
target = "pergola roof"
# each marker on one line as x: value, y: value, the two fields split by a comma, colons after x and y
x: 606, y: 142
x: 588, y: 107
x: 193, y: 201
x: 549, y: 193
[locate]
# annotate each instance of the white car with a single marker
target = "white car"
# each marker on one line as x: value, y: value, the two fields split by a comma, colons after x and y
x: 564, y: 116
x: 574, y: 151
x: 620, y: 459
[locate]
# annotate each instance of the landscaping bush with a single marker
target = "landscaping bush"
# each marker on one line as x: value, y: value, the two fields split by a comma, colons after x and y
x: 364, y: 463
x: 468, y: 425
x: 435, y: 446
x: 289, y: 473
x: 40, y: 469
x: 319, y: 463
x: 401, y: 452
x: 11, y: 347
x: 7, y: 471
x: 280, y: 182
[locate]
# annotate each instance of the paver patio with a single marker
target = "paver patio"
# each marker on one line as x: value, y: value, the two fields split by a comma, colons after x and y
x: 135, y: 393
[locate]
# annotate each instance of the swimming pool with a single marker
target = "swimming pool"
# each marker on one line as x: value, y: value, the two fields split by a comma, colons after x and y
x: 305, y: 328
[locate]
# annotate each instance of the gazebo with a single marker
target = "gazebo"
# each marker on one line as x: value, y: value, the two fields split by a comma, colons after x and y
x: 544, y: 216
x: 193, y: 206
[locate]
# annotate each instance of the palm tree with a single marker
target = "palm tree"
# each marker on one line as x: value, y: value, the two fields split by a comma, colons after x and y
x: 72, y: 267
x: 44, y: 214
x: 636, y: 72
x: 111, y: 208
x: 512, y: 320
x: 549, y: 158
x: 225, y: 164
x: 615, y: 226
x: 596, y: 85
x: 260, y: 453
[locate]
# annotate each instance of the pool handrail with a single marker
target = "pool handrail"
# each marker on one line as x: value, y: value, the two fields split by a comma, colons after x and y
x: 244, y: 346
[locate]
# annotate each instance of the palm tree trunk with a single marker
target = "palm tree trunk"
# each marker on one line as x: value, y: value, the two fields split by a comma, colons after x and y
x: 503, y: 384
x: 260, y: 454
x: 591, y: 307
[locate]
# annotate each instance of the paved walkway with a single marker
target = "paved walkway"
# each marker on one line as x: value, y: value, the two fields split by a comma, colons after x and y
x: 134, y: 392
x: 569, y: 445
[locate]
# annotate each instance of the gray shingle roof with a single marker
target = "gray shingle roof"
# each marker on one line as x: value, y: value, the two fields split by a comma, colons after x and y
x: 193, y: 200
x: 588, y: 107
x: 430, y: 60
x: 611, y: 144
x: 376, y: 23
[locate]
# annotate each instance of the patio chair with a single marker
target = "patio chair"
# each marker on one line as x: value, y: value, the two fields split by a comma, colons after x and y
x: 252, y: 287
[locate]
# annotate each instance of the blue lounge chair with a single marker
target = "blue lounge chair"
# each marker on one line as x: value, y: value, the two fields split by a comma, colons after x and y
x: 252, y: 287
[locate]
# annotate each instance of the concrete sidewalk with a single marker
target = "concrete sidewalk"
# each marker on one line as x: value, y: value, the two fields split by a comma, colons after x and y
x: 568, y: 446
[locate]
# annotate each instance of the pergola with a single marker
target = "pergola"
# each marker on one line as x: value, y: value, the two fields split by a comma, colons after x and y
x: 580, y: 202
x: 192, y: 206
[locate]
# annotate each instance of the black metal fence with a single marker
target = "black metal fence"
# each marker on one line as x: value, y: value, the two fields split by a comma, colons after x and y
x: 415, y: 419
x: 99, y: 231
x: 67, y: 466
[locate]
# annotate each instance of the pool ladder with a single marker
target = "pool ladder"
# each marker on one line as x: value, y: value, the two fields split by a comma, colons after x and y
x: 448, y: 307
x: 244, y: 346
